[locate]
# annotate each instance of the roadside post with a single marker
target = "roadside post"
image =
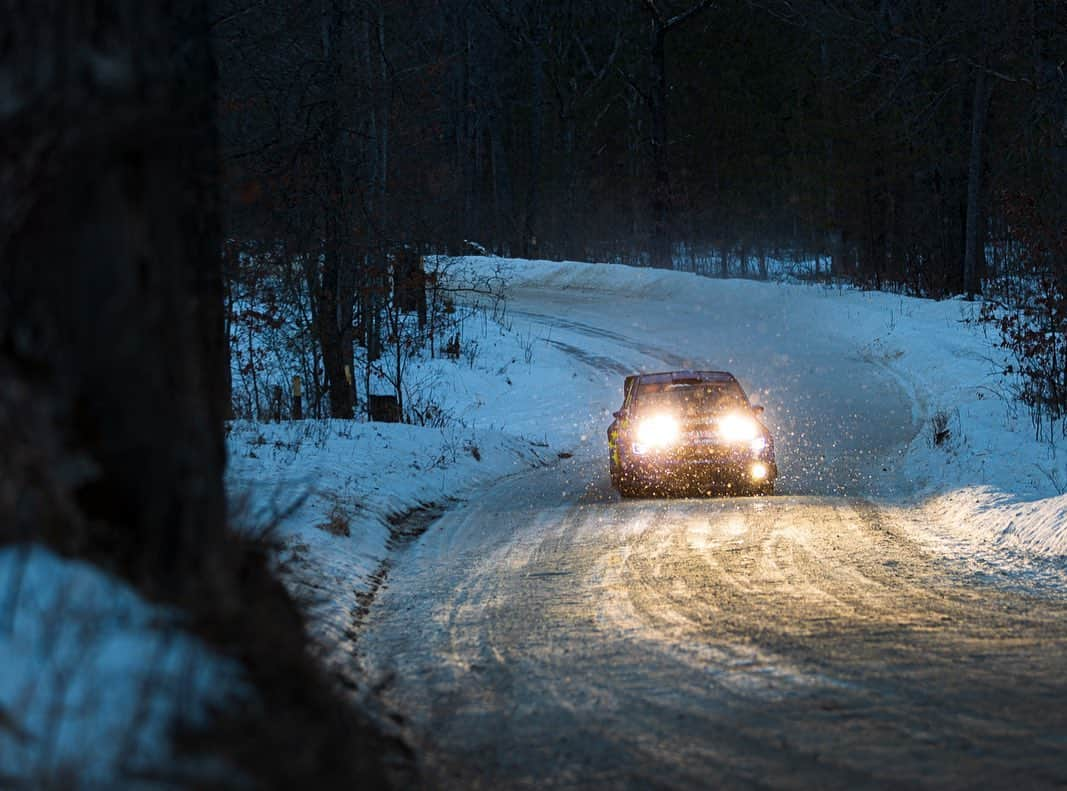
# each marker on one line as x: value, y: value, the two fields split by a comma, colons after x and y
x: 351, y: 383
x: 298, y: 406
x: 276, y: 405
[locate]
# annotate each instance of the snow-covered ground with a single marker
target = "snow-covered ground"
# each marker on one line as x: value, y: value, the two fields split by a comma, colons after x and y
x: 537, y: 383
x: 340, y: 494
x: 537, y: 379
x: 990, y: 483
x: 93, y: 679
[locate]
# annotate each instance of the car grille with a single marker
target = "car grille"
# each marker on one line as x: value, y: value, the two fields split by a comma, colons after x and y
x: 707, y: 447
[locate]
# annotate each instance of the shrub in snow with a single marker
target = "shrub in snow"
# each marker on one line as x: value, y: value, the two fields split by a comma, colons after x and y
x: 1035, y: 335
x: 940, y: 427
x: 1032, y: 320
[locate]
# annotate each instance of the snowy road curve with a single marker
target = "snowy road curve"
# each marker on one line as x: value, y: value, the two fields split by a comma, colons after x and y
x: 548, y: 634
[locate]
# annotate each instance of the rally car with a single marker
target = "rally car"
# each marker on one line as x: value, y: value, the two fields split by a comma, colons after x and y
x: 692, y: 430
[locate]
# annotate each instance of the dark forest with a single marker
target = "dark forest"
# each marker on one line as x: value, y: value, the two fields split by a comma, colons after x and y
x: 915, y: 145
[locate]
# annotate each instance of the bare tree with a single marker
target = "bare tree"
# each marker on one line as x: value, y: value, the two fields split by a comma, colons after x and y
x: 581, y: 57
x: 657, y: 97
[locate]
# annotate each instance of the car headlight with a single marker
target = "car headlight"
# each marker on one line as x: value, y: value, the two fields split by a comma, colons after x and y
x: 659, y: 431
x: 738, y: 428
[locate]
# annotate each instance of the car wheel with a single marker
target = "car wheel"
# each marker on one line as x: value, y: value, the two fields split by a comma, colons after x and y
x: 630, y: 488
x: 763, y: 490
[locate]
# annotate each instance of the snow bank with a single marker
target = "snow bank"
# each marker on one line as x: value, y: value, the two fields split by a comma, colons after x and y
x: 340, y: 492
x: 92, y: 678
x: 337, y: 493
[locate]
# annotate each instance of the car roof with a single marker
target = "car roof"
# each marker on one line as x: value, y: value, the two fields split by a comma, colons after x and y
x: 685, y: 376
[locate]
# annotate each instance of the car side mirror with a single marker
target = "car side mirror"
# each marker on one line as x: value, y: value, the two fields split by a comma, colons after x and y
x: 757, y: 410
x: 619, y: 414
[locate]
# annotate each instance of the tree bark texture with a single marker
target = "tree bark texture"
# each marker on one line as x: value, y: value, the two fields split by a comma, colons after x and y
x: 336, y: 282
x: 333, y: 319
x: 112, y: 364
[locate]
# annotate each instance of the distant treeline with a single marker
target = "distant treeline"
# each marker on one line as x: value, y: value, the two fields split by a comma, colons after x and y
x: 917, y: 145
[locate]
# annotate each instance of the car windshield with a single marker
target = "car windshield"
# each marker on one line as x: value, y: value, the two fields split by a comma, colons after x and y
x: 689, y: 399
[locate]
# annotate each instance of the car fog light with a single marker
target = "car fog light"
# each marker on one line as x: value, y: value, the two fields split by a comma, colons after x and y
x: 759, y: 471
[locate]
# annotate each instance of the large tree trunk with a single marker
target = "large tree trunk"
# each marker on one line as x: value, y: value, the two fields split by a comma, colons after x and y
x: 111, y: 365
x: 333, y: 320
x: 112, y: 387
x: 335, y: 285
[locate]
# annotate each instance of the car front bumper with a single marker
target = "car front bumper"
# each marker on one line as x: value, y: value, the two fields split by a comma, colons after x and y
x: 700, y: 466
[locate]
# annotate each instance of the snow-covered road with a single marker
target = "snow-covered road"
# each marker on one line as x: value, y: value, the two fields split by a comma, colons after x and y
x: 546, y: 633
x: 837, y: 419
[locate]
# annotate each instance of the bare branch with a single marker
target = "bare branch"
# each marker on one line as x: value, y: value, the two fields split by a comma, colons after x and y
x: 686, y: 15
x: 657, y: 15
